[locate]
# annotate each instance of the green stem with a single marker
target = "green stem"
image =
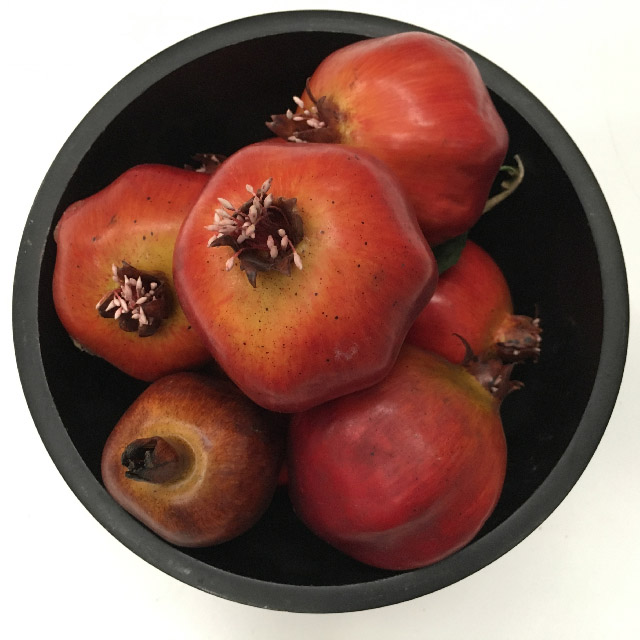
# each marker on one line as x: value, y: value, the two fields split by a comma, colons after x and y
x: 515, y: 175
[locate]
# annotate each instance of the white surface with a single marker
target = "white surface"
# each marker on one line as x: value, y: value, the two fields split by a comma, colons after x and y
x: 575, y: 577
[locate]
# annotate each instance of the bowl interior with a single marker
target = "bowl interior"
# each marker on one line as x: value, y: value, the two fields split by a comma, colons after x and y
x: 540, y: 237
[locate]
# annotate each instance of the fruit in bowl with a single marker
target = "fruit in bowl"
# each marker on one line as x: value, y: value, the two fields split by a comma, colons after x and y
x: 337, y: 271
x: 419, y: 103
x: 404, y: 473
x: 473, y: 300
x: 194, y: 459
x: 113, y: 282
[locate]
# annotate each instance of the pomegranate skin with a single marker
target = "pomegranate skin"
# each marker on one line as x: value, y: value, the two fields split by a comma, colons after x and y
x: 473, y: 300
x: 402, y: 474
x: 417, y: 102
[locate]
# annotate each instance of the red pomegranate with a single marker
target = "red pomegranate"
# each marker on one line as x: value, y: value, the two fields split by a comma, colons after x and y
x: 472, y: 300
x: 402, y: 474
x: 417, y: 102
x: 303, y: 287
x: 113, y: 284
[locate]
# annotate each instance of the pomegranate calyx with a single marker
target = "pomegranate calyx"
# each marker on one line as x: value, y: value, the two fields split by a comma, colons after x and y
x: 140, y: 302
x: 317, y: 123
x: 206, y: 162
x: 153, y: 460
x: 263, y: 232
x: 491, y: 372
x: 519, y: 339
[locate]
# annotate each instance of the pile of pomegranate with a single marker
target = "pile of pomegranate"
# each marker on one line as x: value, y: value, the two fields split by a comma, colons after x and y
x: 311, y: 316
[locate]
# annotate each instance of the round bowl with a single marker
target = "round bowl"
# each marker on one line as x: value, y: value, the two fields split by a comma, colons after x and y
x: 554, y: 239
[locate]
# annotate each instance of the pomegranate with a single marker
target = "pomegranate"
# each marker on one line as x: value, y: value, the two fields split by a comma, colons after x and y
x: 406, y: 472
x: 306, y: 283
x: 473, y: 300
x: 417, y: 102
x: 113, y: 283
x: 194, y: 460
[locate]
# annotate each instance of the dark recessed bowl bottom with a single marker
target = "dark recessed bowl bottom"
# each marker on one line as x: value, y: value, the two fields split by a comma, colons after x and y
x: 554, y: 239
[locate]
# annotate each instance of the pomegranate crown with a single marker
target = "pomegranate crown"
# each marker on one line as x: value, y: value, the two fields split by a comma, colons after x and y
x: 140, y: 302
x: 491, y: 372
x: 263, y: 232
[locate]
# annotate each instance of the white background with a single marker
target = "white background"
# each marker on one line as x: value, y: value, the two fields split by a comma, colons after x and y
x: 574, y: 577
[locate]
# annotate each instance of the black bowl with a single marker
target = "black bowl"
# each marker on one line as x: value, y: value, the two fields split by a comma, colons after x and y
x: 554, y: 239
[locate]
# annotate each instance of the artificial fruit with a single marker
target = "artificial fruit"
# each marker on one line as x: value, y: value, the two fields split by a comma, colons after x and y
x: 417, y: 102
x: 113, y: 282
x: 404, y: 473
x: 302, y: 267
x: 194, y: 460
x: 473, y: 300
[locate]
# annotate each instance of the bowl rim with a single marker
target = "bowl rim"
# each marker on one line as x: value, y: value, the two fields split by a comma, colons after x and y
x: 286, y: 597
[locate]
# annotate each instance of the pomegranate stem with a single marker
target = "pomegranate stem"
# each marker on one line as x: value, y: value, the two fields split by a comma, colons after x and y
x: 515, y: 176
